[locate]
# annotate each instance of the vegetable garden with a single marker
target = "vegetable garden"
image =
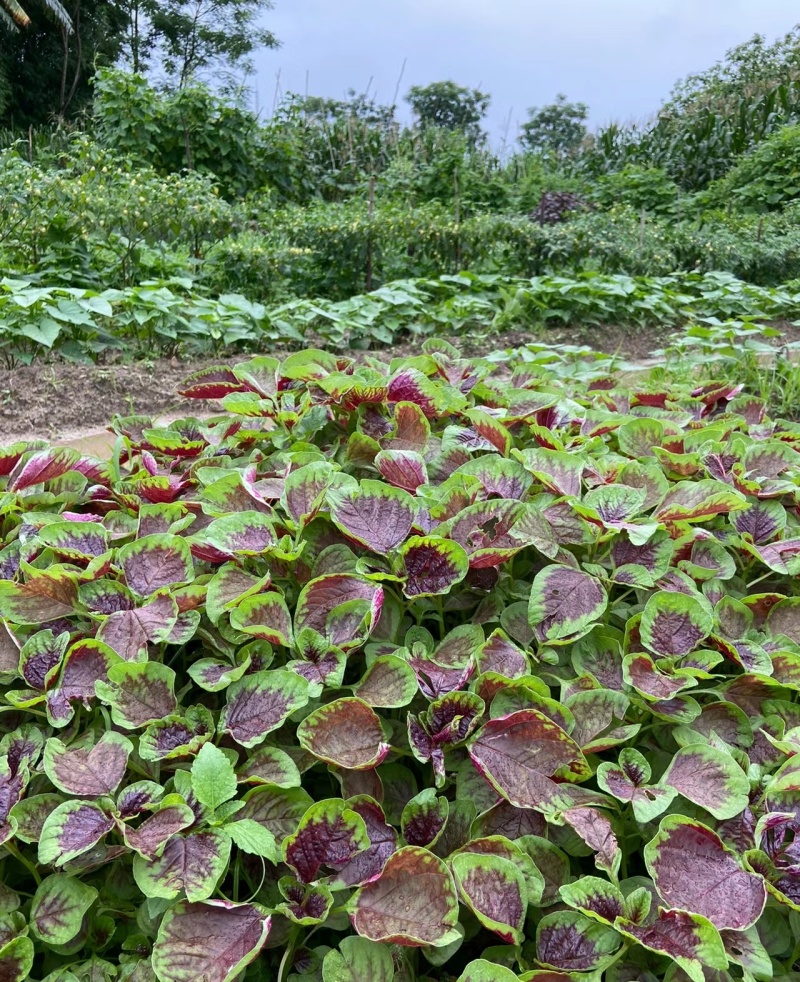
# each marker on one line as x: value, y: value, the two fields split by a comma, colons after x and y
x: 441, y: 669
x: 466, y: 665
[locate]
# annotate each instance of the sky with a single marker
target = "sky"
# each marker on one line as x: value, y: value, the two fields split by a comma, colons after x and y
x: 621, y: 57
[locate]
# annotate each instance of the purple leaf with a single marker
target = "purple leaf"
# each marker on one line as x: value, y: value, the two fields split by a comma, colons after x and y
x: 244, y: 533
x: 320, y: 598
x: 499, y: 654
x: 86, y: 663
x: 695, y: 501
x: 258, y: 704
x: 695, y: 872
x: 628, y: 781
x: 366, y: 865
x: 279, y: 810
x: 413, y: 902
x: 710, y: 778
x: 329, y: 834
x: 571, y: 941
x: 153, y: 834
x: 191, y: 864
x: 374, y: 515
x: 177, y: 736
x: 494, y: 890
x: 16, y: 959
x: 403, y: 468
x: 595, y: 828
x: 88, y: 773
x: 128, y: 631
x: 595, y: 897
x: 304, y: 904
x: 40, y: 654
x: 45, y: 596
x: 156, y: 561
x: 424, y: 818
x: 46, y: 465
x: 389, y: 683
x: 564, y: 603
x: 212, y: 941
x: 521, y: 753
x: 214, y: 382
x: 266, y: 616
x: 686, y: 938
x: 490, y: 532
x: 559, y: 472
x: 70, y: 830
x: 58, y: 908
x: 431, y: 566
x: 346, y: 733
x: 674, y: 624
x: 138, y: 694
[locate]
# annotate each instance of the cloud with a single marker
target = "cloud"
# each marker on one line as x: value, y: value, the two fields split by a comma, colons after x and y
x: 621, y: 57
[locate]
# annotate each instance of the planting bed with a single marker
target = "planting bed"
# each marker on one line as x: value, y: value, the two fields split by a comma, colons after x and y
x: 86, y: 395
x: 440, y: 669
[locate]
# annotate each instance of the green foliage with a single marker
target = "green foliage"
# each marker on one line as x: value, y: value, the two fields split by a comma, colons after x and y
x: 749, y: 69
x: 650, y: 190
x: 46, y: 72
x: 557, y: 129
x: 771, y: 375
x: 169, y: 317
x: 188, y: 39
x: 767, y: 179
x: 153, y: 319
x: 712, y: 119
x: 448, y: 106
x: 191, y: 128
x: 101, y: 221
x: 255, y: 722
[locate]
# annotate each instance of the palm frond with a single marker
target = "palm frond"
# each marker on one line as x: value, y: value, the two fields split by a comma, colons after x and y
x: 13, y: 16
x: 6, y: 22
x: 58, y: 10
x: 15, y: 13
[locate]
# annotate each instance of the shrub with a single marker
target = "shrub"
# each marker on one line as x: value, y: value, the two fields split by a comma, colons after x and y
x: 440, y: 670
x: 644, y: 189
x: 556, y: 206
x: 765, y: 179
x: 99, y: 220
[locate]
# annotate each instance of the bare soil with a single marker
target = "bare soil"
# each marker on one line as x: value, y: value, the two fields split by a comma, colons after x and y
x: 64, y: 402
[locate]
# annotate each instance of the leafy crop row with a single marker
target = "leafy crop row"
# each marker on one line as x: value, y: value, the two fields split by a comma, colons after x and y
x: 170, y: 317
x: 443, y: 669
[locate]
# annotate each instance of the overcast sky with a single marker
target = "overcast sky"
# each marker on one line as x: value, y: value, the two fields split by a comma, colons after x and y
x: 619, y: 56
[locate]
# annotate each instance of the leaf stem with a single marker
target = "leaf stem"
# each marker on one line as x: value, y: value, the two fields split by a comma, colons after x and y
x: 13, y: 851
x: 287, y: 956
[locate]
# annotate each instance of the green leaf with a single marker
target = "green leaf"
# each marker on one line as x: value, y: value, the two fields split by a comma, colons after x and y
x: 358, y: 960
x: 213, y: 777
x: 253, y: 838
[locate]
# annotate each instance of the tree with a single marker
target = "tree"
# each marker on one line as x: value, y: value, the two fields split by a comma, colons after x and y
x: 449, y: 106
x: 47, y: 63
x: 557, y: 129
x: 193, y: 38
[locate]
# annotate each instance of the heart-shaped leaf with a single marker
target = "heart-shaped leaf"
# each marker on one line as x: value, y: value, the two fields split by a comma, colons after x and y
x: 412, y: 902
x: 694, y: 871
x: 214, y: 941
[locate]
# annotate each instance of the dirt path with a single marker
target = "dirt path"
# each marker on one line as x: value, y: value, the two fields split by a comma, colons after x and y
x: 72, y: 405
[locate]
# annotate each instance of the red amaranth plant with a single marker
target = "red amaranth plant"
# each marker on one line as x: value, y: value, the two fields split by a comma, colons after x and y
x: 441, y: 670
